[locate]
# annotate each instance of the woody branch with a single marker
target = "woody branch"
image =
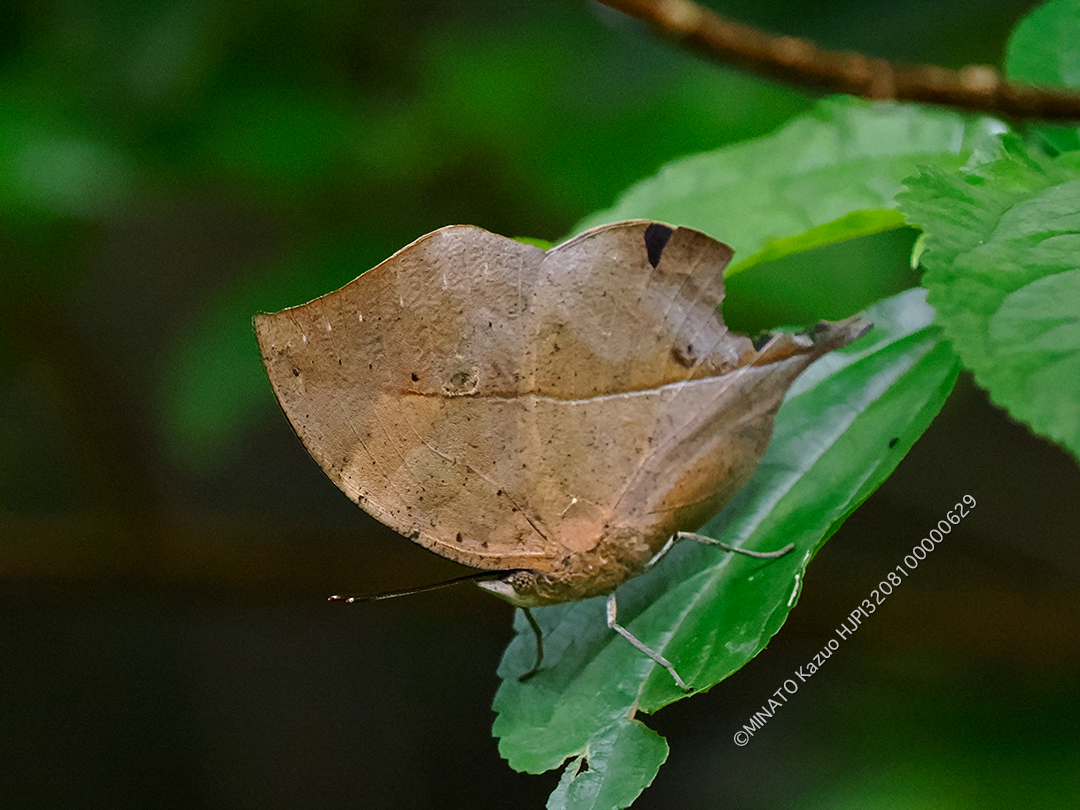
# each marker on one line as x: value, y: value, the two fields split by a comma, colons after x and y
x: 978, y: 88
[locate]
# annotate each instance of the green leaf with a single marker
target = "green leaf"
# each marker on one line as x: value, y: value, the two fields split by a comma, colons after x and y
x: 1042, y: 50
x: 614, y: 770
x: 709, y: 612
x: 800, y: 186
x: 1003, y: 271
x: 857, y: 223
x: 828, y: 282
x: 532, y: 240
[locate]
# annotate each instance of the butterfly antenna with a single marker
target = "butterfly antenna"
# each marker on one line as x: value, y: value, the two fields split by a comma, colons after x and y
x: 478, y: 576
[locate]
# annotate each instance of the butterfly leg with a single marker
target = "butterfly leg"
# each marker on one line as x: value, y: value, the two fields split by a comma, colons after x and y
x: 539, y: 647
x: 655, y: 656
x: 769, y: 555
x: 660, y: 554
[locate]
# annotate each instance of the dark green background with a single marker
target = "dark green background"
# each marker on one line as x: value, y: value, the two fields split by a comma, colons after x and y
x: 169, y: 168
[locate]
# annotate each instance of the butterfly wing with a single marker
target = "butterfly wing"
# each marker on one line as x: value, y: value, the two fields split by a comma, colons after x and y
x: 404, y: 386
x: 508, y: 407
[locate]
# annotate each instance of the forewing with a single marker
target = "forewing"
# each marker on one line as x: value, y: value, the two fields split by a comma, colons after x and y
x: 405, y: 386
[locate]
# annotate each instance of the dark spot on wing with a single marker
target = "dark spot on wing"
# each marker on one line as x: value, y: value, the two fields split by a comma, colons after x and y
x: 656, y: 239
x: 893, y: 441
x: 684, y: 356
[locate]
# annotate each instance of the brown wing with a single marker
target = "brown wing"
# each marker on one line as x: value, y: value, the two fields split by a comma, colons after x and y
x: 405, y: 387
x: 605, y: 320
x: 617, y: 315
x: 505, y: 407
x: 648, y: 413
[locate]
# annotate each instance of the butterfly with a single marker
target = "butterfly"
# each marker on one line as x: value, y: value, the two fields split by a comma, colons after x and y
x: 556, y: 418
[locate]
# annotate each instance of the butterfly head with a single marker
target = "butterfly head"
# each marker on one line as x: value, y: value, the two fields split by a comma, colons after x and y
x: 518, y: 587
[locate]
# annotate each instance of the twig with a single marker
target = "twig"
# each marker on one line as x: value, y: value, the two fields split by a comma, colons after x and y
x: 978, y: 88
